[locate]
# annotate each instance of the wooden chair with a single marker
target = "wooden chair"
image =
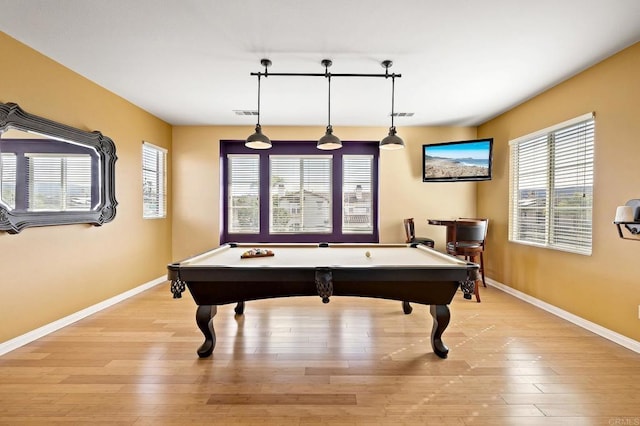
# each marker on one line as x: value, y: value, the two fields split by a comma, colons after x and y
x: 484, y: 240
x: 409, y: 229
x: 469, y: 242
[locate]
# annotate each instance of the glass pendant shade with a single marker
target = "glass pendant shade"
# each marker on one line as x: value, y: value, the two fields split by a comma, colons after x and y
x: 392, y: 141
x: 329, y: 140
x: 258, y: 140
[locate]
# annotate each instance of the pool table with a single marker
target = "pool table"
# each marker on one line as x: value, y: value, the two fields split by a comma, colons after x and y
x: 403, y: 272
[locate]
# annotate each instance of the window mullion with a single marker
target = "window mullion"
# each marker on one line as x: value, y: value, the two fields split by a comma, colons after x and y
x: 302, y: 195
x: 550, y: 205
x: 63, y: 183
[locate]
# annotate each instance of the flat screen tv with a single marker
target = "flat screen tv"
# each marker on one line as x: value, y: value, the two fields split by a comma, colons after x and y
x: 457, y: 161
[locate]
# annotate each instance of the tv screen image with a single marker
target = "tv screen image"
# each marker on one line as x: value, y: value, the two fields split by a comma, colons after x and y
x: 457, y: 161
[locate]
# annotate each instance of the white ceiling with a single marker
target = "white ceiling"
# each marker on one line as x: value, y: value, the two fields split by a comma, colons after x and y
x: 189, y: 61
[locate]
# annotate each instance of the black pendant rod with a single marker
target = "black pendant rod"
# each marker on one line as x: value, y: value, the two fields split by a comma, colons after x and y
x: 258, y: 100
x: 393, y: 93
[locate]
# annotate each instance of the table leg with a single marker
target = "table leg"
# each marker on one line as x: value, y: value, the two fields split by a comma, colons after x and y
x: 441, y: 317
x: 406, y: 308
x: 451, y: 233
x: 468, y: 288
x: 204, y: 319
x: 324, y: 283
x: 239, y: 309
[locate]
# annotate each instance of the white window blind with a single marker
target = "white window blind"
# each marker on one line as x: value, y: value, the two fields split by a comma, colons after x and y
x: 551, y: 178
x: 154, y: 192
x: 357, y: 204
x: 8, y: 179
x: 243, y: 194
x: 59, y: 182
x: 301, y: 196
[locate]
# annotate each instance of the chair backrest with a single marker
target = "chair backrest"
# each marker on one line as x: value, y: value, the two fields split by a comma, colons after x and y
x: 471, y: 230
x: 409, y: 229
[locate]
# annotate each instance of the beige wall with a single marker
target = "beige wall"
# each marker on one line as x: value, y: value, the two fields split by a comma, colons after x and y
x: 602, y: 288
x: 196, y: 181
x: 51, y: 272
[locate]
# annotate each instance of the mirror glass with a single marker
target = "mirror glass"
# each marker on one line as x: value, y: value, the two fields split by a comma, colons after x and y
x: 52, y: 174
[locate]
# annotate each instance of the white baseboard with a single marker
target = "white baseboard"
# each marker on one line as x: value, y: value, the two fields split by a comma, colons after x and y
x: 628, y: 343
x: 29, y: 337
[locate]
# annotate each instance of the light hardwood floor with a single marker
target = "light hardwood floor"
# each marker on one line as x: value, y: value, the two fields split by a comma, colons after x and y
x: 296, y: 361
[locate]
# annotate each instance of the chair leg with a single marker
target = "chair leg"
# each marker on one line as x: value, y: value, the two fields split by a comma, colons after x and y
x: 476, y: 286
x: 484, y: 284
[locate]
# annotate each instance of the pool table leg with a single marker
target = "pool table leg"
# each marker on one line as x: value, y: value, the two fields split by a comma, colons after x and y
x: 204, y: 319
x: 441, y: 317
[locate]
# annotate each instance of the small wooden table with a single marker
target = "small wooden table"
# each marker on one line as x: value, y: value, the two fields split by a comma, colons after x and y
x: 451, y: 225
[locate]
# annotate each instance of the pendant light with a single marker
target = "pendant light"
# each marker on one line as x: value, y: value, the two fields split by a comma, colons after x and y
x: 329, y: 140
x: 259, y: 140
x: 392, y: 141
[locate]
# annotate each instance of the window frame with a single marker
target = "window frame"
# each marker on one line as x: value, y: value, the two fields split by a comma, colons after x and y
x: 553, y: 152
x: 160, y: 198
x: 357, y: 199
x: 249, y: 197
x: 26, y: 149
x: 8, y: 179
x: 305, y: 193
x: 302, y: 148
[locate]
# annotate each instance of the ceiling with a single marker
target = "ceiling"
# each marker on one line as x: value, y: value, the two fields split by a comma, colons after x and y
x: 189, y: 62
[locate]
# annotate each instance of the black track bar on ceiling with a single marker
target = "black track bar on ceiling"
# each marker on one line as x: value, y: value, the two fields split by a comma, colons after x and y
x: 326, y: 63
x: 295, y: 74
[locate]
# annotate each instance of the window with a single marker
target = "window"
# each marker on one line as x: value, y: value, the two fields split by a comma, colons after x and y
x: 243, y: 194
x: 45, y: 176
x: 8, y: 179
x: 52, y: 182
x: 296, y: 193
x: 357, y: 203
x: 59, y: 182
x: 300, y: 200
x: 551, y: 193
x: 153, y: 181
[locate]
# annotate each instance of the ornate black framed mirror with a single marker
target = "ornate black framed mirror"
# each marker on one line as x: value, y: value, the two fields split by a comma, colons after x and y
x: 53, y: 174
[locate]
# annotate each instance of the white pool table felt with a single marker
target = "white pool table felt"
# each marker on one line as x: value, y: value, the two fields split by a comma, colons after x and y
x: 302, y: 255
